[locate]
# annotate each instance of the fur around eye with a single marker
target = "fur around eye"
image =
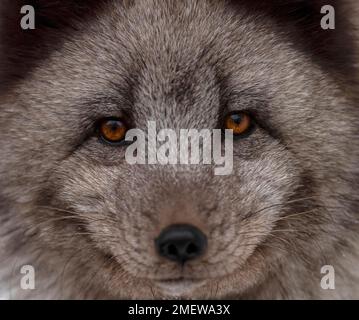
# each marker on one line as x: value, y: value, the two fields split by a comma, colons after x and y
x: 112, y: 130
x: 239, y: 122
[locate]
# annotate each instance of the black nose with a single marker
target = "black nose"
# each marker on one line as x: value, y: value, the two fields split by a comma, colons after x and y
x: 181, y: 243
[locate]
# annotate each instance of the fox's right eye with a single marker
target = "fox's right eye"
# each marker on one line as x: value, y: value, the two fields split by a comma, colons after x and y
x: 112, y: 130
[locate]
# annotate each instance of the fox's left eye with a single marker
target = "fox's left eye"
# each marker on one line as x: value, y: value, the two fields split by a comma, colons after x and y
x: 239, y: 122
x: 112, y: 130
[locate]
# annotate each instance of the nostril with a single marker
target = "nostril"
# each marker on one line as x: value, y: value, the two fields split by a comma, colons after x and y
x: 172, y: 250
x: 191, y: 249
x: 181, y: 243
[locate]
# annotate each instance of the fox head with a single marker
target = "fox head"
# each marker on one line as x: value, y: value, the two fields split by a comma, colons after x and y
x: 101, y: 227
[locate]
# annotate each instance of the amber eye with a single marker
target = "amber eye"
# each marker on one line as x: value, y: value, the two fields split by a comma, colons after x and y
x: 239, y: 122
x: 112, y: 130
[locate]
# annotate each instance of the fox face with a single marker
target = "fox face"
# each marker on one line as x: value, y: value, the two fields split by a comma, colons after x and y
x: 99, y: 227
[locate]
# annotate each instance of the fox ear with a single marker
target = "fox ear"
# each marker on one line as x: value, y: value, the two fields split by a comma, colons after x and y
x: 49, y: 13
x: 302, y: 21
x: 21, y: 50
x: 52, y: 14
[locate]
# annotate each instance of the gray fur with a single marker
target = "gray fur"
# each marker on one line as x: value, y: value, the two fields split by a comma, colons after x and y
x: 86, y: 220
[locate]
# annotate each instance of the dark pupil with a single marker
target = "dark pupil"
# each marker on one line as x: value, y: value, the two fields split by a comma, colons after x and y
x: 236, y: 118
x: 113, y: 125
